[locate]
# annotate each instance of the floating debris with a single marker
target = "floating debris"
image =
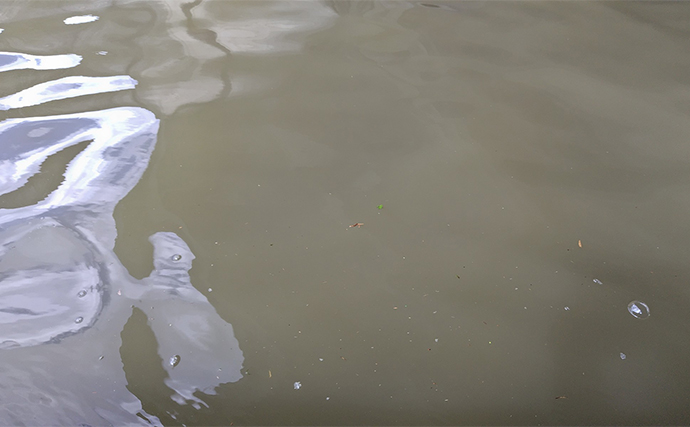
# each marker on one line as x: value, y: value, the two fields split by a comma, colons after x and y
x: 357, y: 224
x: 297, y: 385
x: 597, y: 281
x: 623, y: 356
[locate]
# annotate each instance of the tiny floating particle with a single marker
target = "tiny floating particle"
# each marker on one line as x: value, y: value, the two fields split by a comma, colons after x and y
x: 623, y: 356
x: 357, y: 224
x: 297, y: 385
x: 597, y: 281
x: 176, y: 257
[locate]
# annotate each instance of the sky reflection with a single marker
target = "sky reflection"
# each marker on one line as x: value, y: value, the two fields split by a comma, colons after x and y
x: 64, y: 294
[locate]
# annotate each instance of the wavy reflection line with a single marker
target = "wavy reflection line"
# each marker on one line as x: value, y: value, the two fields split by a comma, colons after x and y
x: 209, y: 37
x: 67, y: 87
x: 22, y: 61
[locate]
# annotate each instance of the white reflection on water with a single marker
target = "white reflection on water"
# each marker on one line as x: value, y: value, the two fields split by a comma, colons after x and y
x: 20, y: 61
x: 81, y: 19
x: 66, y: 87
x: 65, y: 295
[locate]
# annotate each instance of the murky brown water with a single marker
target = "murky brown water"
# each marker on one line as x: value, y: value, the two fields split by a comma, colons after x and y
x: 520, y: 169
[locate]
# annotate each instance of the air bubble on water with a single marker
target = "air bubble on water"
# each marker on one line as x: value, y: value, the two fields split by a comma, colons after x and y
x: 597, y: 281
x: 176, y: 257
x: 638, y: 309
x: 174, y: 361
x: 81, y: 294
x: 79, y: 320
x: 623, y: 356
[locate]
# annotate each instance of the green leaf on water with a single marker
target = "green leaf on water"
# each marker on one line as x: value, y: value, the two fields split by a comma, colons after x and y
x: 380, y: 206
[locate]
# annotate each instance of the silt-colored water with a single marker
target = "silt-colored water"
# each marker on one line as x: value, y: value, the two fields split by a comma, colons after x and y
x: 520, y: 173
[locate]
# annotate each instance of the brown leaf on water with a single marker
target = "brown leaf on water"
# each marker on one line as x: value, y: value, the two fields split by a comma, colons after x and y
x: 579, y: 243
x: 357, y: 224
x: 560, y: 397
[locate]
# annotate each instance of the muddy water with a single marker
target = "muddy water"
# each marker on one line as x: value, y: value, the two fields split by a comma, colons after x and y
x: 519, y: 171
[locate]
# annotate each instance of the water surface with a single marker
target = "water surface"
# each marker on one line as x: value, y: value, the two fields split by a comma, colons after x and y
x: 529, y: 160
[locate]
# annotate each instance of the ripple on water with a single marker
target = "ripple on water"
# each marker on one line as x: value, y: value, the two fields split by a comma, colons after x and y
x: 638, y: 309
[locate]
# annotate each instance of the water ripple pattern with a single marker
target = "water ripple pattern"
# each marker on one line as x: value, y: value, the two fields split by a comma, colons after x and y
x: 638, y: 309
x: 64, y: 294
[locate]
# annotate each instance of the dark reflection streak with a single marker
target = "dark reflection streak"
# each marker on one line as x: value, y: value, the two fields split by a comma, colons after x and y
x: 211, y: 38
x: 136, y: 50
x: 39, y: 186
x: 143, y: 368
